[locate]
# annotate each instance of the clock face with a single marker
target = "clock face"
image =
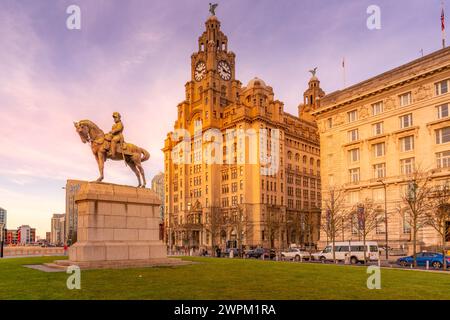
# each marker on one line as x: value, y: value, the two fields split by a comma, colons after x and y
x: 224, y: 70
x: 200, y: 71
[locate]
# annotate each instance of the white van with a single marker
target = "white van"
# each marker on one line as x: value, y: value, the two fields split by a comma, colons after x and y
x: 353, y: 249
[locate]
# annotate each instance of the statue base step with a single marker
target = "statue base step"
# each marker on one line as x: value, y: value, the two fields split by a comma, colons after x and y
x: 118, y: 264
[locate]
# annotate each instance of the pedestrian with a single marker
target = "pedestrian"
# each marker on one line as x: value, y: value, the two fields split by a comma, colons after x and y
x: 65, y: 249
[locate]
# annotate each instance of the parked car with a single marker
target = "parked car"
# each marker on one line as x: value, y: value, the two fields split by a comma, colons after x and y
x: 435, y: 260
x: 354, y: 250
x: 227, y: 251
x: 259, y: 252
x: 295, y: 254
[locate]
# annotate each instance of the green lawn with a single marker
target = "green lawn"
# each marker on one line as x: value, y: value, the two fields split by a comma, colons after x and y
x: 212, y: 278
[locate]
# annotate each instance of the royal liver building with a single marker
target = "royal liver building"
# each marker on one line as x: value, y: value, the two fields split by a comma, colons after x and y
x: 239, y: 170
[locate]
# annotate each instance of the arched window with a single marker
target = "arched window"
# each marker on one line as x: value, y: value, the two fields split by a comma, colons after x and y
x: 311, y: 162
x: 289, y: 155
x: 304, y: 159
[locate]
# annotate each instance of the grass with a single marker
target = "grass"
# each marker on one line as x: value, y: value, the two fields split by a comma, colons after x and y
x: 222, y: 279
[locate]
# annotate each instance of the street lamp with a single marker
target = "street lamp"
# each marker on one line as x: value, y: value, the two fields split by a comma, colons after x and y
x: 2, y: 233
x: 385, y: 218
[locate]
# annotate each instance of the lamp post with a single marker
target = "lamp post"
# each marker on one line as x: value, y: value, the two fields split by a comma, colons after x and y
x: 2, y: 232
x: 385, y: 218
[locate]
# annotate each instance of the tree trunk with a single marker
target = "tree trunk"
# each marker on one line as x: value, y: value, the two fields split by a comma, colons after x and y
x: 414, y: 246
x: 364, y: 246
x: 444, y: 234
x: 333, y: 247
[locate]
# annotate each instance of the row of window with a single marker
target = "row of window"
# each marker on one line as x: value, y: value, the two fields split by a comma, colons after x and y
x: 406, y: 145
x: 379, y: 170
x: 406, y: 167
x: 405, y: 99
x: 304, y: 159
x: 234, y: 187
x: 405, y: 121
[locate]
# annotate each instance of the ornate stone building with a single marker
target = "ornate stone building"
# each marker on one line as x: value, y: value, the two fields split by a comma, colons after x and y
x: 377, y: 132
x: 239, y: 170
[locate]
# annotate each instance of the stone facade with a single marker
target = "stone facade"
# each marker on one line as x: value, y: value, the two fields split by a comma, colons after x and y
x: 58, y: 225
x: 240, y: 198
x: 72, y: 189
x: 380, y: 130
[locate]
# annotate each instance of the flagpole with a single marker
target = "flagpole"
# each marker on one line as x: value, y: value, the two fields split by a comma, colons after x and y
x: 343, y: 72
x: 443, y: 24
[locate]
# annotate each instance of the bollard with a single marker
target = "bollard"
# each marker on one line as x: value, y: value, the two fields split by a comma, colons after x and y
x: 301, y: 258
x: 379, y: 262
x: 411, y: 265
x: 428, y: 265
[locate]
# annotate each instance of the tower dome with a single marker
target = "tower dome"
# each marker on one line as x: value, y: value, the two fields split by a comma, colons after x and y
x: 256, y: 82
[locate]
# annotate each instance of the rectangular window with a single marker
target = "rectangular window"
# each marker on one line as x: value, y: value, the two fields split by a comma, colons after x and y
x: 330, y: 123
x: 353, y: 155
x: 354, y: 175
x: 405, y: 99
x: 379, y: 149
x: 406, y: 121
x: 442, y: 111
x: 443, y: 159
x: 406, y: 223
x: 377, y: 108
x: 407, y: 166
x: 353, y: 135
x: 379, y: 170
x: 377, y: 128
x: 352, y: 115
x: 443, y: 135
x: 441, y: 87
x: 407, y: 143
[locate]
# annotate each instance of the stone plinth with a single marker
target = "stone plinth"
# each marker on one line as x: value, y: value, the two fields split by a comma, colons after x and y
x: 118, y: 226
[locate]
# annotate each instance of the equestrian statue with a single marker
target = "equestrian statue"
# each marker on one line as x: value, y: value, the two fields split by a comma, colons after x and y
x: 112, y: 146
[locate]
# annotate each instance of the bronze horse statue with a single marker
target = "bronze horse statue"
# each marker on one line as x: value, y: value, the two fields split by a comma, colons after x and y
x: 130, y: 153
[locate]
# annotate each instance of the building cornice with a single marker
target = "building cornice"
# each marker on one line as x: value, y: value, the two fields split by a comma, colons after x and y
x: 432, y: 64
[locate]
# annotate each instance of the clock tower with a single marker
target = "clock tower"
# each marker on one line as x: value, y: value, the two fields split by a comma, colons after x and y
x: 213, y: 85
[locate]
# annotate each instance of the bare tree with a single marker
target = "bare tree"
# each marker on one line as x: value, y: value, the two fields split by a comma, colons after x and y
x: 214, y: 223
x: 240, y: 222
x: 334, y: 205
x: 369, y: 216
x: 416, y: 199
x: 273, y: 224
x: 294, y: 224
x: 439, y: 216
x: 308, y: 228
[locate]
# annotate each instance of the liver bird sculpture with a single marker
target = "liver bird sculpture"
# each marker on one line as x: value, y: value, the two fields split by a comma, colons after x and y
x: 212, y: 8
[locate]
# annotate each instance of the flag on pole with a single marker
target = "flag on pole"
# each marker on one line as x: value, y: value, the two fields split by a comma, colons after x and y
x: 443, y: 24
